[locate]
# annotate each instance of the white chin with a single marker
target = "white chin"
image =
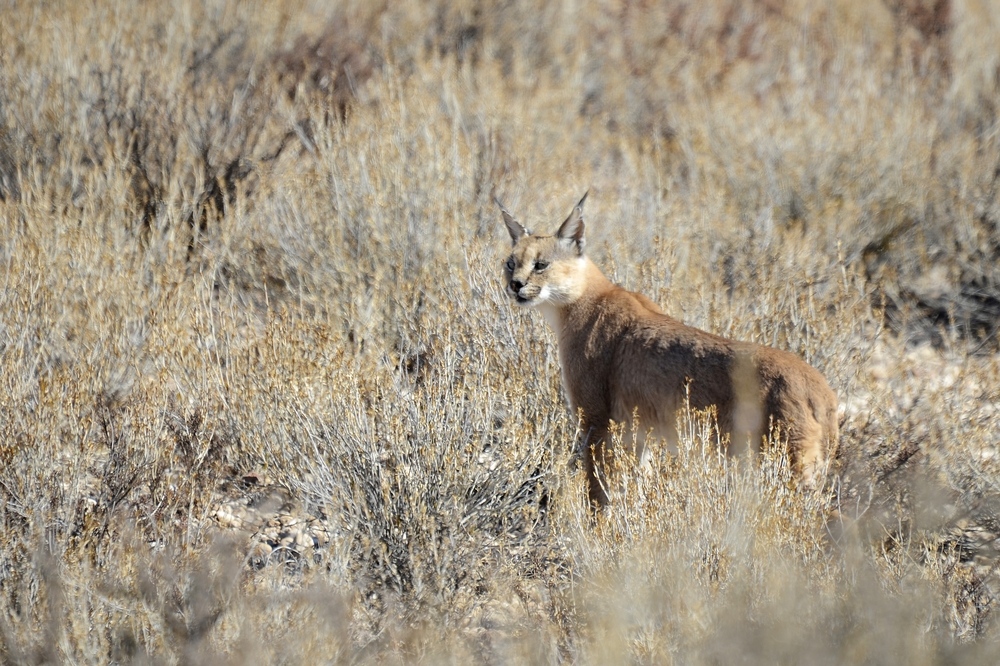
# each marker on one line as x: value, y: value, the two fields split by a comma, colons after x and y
x: 539, y: 298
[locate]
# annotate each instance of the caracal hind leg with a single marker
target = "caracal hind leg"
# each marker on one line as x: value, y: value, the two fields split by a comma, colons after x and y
x: 808, y: 459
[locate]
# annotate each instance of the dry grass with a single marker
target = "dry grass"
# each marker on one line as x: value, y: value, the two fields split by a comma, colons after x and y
x: 249, y: 263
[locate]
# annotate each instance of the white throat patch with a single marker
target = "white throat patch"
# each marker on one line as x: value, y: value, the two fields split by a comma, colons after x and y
x: 550, y: 312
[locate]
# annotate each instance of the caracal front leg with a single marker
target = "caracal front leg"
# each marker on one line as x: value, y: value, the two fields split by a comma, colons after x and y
x: 596, y: 457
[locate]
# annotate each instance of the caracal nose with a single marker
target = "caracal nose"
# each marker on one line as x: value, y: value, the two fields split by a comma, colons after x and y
x: 516, y: 286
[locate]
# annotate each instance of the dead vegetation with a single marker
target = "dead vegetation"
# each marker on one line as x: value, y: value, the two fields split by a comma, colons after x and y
x: 262, y: 397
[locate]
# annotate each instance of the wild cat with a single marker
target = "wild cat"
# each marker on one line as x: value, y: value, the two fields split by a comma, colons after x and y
x: 621, y: 355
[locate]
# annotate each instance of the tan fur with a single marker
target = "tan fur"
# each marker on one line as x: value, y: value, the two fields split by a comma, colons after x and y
x: 620, y: 354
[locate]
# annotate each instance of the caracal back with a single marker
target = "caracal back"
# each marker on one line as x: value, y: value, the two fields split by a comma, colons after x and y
x: 621, y: 355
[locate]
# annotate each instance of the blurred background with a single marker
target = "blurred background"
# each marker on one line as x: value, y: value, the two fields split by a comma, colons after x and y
x: 262, y: 398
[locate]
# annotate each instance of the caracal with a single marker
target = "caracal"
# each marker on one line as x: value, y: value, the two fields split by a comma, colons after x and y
x: 621, y: 355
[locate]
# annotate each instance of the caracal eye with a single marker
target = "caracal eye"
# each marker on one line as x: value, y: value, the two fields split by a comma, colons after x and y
x: 511, y: 264
x: 541, y: 265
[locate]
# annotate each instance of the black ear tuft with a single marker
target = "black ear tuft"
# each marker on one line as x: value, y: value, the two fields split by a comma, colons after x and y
x: 513, y: 226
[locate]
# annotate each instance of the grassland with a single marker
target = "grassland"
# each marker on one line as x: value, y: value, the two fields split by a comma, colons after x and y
x: 263, y: 400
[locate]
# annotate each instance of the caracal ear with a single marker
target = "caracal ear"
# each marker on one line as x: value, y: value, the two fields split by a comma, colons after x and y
x: 513, y: 226
x: 571, y: 230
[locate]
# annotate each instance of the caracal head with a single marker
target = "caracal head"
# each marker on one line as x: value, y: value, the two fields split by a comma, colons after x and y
x: 545, y: 270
